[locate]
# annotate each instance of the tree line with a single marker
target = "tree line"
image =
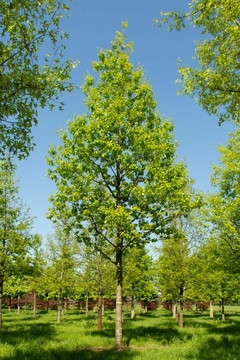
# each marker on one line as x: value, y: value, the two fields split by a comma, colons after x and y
x: 119, y: 185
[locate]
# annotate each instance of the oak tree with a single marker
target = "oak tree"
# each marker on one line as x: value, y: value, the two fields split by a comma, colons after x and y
x: 116, y: 169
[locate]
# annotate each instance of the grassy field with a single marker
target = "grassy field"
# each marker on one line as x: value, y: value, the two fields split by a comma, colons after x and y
x: 151, y: 336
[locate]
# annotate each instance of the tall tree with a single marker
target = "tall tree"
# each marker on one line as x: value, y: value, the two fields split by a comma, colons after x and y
x: 116, y: 168
x: 216, y: 77
x: 225, y: 202
x: 29, y: 78
x: 15, y: 225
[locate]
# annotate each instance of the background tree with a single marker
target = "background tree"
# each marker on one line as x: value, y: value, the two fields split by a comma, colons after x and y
x: 116, y: 168
x: 225, y: 203
x: 62, y: 265
x: 216, y: 77
x: 174, y: 271
x: 15, y: 225
x: 29, y: 78
x: 138, y: 276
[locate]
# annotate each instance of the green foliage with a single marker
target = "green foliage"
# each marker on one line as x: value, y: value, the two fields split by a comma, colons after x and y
x: 16, y: 242
x: 29, y: 78
x: 62, y: 262
x: 225, y: 203
x: 116, y: 168
x: 215, y: 79
x: 154, y: 335
x: 138, y: 274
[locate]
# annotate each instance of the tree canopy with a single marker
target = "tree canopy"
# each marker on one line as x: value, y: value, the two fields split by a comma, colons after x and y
x: 116, y: 173
x: 216, y: 77
x: 30, y: 78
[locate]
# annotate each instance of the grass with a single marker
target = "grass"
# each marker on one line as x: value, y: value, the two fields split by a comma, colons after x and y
x: 150, y: 336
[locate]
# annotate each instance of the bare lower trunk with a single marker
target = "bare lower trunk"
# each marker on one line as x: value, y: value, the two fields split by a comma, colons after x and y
x: 59, y: 307
x: 223, y: 313
x: 175, y: 311
x: 118, y: 327
x: 132, y: 307
x: 181, y: 306
x: 100, y: 295
x: 1, y: 292
x: 34, y: 303
x: 211, y: 309
x: 59, y: 311
x: 87, y: 305
x: 18, y: 305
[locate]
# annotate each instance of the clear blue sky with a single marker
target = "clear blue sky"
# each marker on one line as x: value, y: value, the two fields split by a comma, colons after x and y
x: 92, y: 24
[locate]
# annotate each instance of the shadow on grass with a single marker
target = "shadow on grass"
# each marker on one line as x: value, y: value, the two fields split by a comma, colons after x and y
x: 83, y: 354
x: 39, y: 331
x: 163, y: 336
x: 217, y: 349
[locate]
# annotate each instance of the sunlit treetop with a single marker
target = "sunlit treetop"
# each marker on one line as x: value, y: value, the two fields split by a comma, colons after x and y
x: 30, y: 78
x: 216, y: 77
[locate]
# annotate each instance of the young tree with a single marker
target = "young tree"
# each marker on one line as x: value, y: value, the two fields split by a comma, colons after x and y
x: 29, y: 78
x: 116, y: 168
x: 215, y: 80
x: 62, y: 265
x: 138, y: 274
x: 174, y: 271
x: 225, y: 203
x: 15, y: 224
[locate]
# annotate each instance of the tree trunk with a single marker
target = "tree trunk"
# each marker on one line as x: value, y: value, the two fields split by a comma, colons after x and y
x: 1, y: 292
x: 181, y: 306
x: 9, y: 304
x: 118, y: 326
x: 132, y: 307
x: 18, y: 305
x: 100, y: 295
x: 223, y: 313
x: 211, y: 309
x: 175, y: 311
x: 59, y: 307
x: 59, y: 311
x: 103, y: 308
x: 86, y: 305
x: 34, y: 303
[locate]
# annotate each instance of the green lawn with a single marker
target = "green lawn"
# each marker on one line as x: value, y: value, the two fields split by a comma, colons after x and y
x: 150, y: 336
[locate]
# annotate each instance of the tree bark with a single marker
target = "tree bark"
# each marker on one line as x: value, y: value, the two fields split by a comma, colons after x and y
x: 223, y: 313
x: 34, y: 303
x: 100, y: 295
x: 132, y: 307
x: 175, y: 311
x: 181, y: 306
x: 86, y: 305
x: 118, y: 328
x: 211, y: 309
x: 59, y: 307
x: 1, y: 292
x: 18, y: 305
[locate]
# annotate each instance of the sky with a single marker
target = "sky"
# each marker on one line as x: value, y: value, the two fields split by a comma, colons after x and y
x: 92, y: 25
